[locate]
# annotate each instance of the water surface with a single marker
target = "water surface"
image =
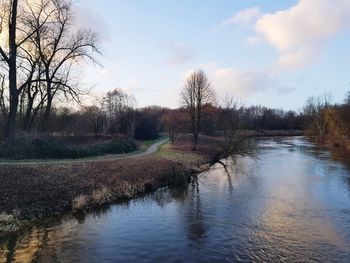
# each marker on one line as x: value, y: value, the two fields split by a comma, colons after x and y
x: 293, y: 204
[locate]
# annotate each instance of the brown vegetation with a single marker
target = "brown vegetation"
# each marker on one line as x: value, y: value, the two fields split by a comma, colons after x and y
x: 32, y: 192
x: 329, y: 123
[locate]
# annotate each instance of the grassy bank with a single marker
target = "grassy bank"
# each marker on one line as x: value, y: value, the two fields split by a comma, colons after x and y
x: 34, y: 192
x: 30, y: 192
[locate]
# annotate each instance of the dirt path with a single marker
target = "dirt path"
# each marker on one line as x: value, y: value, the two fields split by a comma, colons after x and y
x: 150, y: 150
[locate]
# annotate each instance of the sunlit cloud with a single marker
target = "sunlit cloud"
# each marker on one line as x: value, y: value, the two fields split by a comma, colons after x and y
x: 237, y: 82
x: 243, y: 83
x: 244, y: 17
x: 300, y: 32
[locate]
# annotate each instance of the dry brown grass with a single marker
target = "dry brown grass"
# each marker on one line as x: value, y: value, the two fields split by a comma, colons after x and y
x: 38, y: 191
x: 80, y: 203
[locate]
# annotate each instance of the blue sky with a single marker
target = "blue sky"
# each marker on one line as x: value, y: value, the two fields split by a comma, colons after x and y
x: 273, y: 53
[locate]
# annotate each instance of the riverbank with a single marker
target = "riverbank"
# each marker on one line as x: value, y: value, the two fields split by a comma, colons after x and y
x: 338, y: 142
x: 274, y: 133
x: 35, y: 192
x: 332, y: 142
x: 29, y: 192
x: 292, y: 206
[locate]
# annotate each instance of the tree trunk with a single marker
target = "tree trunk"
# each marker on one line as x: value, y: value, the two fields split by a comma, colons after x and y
x: 10, y: 131
x: 28, y: 114
x: 47, y: 113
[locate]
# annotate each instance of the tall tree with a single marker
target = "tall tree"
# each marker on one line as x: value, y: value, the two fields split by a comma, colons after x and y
x: 14, y: 28
x: 61, y: 47
x: 115, y: 104
x: 10, y: 58
x: 195, y: 95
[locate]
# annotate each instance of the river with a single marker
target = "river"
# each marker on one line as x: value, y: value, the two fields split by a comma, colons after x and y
x: 290, y: 205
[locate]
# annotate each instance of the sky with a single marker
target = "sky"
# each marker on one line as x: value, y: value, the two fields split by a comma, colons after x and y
x: 270, y: 53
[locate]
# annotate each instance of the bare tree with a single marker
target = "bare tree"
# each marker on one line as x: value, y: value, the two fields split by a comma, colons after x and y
x: 14, y: 25
x: 315, y: 113
x: 10, y: 58
x: 174, y: 122
x: 61, y: 48
x: 93, y: 117
x: 197, y: 93
x: 115, y: 104
x: 234, y: 142
x: 131, y: 115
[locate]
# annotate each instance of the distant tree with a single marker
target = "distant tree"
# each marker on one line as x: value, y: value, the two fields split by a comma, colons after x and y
x: 114, y: 105
x: 209, y: 123
x: 197, y: 93
x: 174, y: 122
x: 147, y: 124
x: 347, y: 98
x: 130, y: 116
x: 93, y: 117
x: 315, y: 112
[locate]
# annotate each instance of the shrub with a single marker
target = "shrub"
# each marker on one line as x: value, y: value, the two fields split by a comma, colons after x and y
x: 101, y: 196
x: 80, y: 203
x: 28, y: 148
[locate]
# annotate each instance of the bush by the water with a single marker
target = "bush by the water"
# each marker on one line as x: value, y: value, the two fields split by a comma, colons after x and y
x: 29, y: 148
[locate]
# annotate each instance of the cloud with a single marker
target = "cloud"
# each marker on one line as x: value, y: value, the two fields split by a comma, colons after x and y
x: 300, y: 32
x: 284, y: 90
x: 104, y: 71
x: 87, y: 18
x: 179, y: 54
x: 236, y: 82
x: 240, y: 83
x: 244, y: 83
x: 244, y: 17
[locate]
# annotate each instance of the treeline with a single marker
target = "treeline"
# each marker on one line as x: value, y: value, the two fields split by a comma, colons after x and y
x: 257, y: 118
x: 40, y: 55
x: 117, y: 115
x: 328, y: 121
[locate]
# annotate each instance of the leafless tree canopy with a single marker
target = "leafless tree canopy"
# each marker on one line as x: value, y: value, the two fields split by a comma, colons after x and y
x: 235, y: 143
x: 39, y: 59
x: 195, y: 95
x: 316, y: 114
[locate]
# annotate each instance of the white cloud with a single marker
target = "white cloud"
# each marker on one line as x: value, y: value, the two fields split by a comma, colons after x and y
x: 236, y: 82
x: 179, y: 53
x: 240, y: 83
x: 87, y: 18
x: 104, y: 71
x: 244, y: 83
x: 254, y: 40
x: 300, y: 32
x: 244, y: 17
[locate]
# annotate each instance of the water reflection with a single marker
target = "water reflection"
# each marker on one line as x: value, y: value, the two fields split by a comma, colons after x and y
x: 291, y: 205
x: 195, y: 225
